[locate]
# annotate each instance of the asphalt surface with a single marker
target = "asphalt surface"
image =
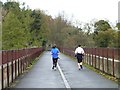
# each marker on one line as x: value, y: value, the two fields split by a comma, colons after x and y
x: 42, y: 75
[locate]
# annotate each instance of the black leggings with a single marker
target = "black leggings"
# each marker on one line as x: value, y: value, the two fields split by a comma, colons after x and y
x: 55, y: 62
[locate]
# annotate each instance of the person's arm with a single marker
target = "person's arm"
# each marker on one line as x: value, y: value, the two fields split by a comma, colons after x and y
x: 76, y: 52
x: 51, y: 52
x: 83, y: 52
x: 58, y: 51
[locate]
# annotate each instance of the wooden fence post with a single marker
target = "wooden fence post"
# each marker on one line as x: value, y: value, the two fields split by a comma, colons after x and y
x: 7, y: 69
x: 113, y: 62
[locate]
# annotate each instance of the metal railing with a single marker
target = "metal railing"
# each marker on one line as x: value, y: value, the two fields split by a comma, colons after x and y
x: 106, y: 60
x: 15, y: 62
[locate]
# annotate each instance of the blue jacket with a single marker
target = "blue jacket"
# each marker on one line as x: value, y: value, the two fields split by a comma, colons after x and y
x: 55, y: 52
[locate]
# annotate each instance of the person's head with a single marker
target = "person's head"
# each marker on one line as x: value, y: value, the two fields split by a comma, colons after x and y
x: 79, y: 45
x: 54, y: 46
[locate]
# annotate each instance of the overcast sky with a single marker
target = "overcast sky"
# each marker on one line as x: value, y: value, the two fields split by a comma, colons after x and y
x: 78, y: 10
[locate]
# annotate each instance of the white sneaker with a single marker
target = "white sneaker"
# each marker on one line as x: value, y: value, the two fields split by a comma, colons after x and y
x: 55, y: 68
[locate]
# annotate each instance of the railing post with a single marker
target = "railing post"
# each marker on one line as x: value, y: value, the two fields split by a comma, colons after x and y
x: 2, y: 68
x: 103, y: 59
x: 27, y: 58
x: 2, y: 76
x: 18, y: 62
x: 90, y: 61
x: 24, y: 60
x: 21, y: 61
x: 95, y: 57
x: 113, y: 61
x: 92, y: 55
x: 7, y: 68
x: 12, y: 66
x: 87, y: 56
x: 107, y: 62
x: 15, y: 63
x: 88, y: 52
x: 98, y: 59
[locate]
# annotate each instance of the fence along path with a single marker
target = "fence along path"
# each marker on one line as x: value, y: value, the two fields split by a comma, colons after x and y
x: 67, y: 65
x: 14, y: 63
x: 106, y: 60
x: 42, y: 76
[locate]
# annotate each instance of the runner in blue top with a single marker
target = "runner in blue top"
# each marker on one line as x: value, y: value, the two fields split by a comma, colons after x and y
x: 55, y: 52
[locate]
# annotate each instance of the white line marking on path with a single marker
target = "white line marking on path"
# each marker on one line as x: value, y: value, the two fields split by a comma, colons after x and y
x: 64, y: 79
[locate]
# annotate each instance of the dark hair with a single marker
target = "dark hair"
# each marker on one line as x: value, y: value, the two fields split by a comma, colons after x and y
x: 79, y: 45
x: 54, y: 46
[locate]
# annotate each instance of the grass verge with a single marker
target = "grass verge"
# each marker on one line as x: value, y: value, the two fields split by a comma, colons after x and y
x: 110, y: 77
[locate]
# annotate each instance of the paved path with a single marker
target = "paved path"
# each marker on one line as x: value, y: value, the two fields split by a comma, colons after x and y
x: 42, y: 76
